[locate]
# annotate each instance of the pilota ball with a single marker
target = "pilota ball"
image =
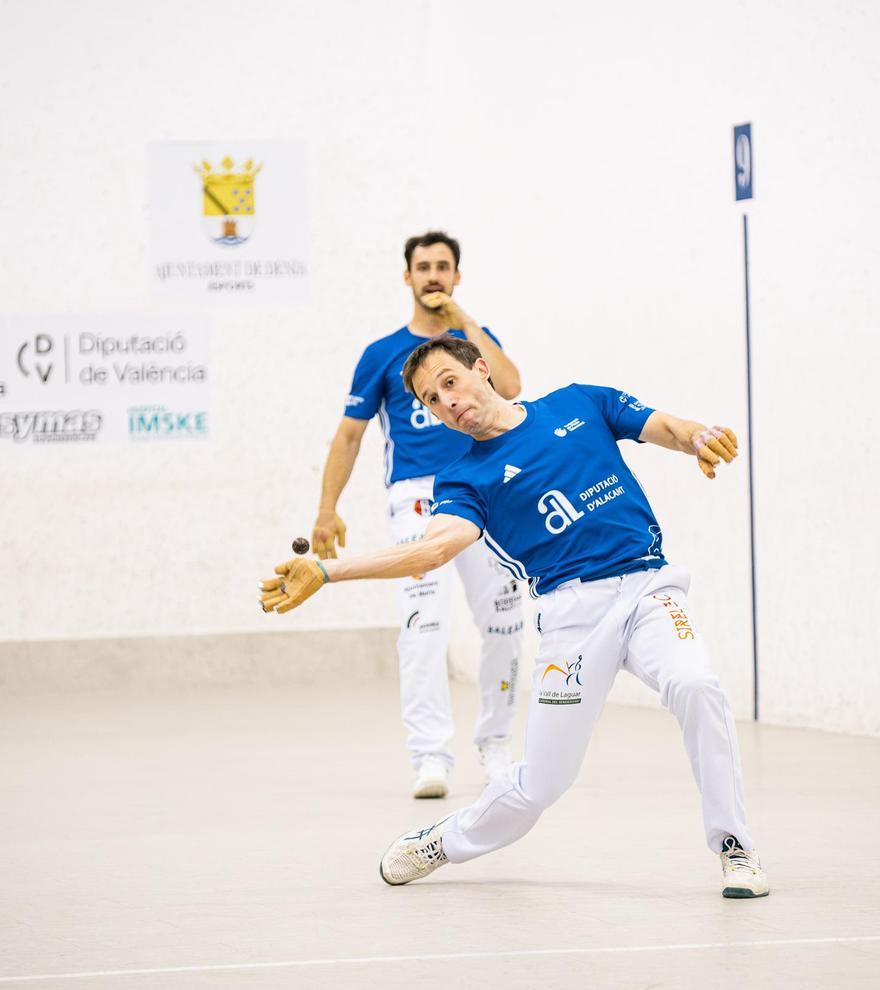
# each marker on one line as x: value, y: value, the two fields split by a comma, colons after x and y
x: 300, y: 545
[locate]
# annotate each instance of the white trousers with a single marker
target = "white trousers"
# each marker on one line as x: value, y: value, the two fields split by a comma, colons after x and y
x: 641, y: 623
x: 495, y: 601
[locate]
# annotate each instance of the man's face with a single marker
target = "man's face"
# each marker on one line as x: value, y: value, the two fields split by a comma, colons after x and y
x: 432, y: 269
x: 458, y: 396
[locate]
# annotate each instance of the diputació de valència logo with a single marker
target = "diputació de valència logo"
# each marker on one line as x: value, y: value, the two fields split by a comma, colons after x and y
x: 228, y: 200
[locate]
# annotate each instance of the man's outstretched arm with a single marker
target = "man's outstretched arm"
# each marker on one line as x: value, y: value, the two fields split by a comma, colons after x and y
x: 445, y: 537
x: 710, y: 445
x: 299, y: 579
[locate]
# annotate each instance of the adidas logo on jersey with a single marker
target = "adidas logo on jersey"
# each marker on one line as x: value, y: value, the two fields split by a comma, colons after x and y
x: 510, y: 471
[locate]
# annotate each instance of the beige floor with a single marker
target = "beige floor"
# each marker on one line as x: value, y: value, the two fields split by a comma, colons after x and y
x: 230, y: 839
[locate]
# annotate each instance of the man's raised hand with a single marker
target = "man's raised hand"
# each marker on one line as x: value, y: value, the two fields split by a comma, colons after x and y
x: 443, y: 304
x: 299, y: 579
x: 713, y: 445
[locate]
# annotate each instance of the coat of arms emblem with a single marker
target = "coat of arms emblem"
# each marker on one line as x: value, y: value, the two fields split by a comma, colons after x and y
x: 228, y: 201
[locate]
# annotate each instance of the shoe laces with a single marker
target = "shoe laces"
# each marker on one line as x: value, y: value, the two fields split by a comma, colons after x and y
x: 430, y: 854
x: 427, y: 853
x: 423, y: 832
x: 736, y: 859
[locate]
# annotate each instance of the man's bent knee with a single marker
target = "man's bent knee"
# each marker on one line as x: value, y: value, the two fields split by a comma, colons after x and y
x: 540, y: 792
x: 690, y: 688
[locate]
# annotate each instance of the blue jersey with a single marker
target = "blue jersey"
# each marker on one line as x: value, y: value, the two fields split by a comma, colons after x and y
x: 554, y: 496
x: 416, y: 442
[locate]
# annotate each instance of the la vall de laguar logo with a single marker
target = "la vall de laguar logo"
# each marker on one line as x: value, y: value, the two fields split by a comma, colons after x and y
x: 228, y: 200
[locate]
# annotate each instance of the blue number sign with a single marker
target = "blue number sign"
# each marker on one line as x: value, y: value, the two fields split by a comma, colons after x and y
x: 742, y: 160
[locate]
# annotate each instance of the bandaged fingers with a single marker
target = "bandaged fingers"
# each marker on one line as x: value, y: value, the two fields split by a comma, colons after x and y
x: 706, y: 467
x: 712, y: 445
x: 720, y: 440
x: 435, y: 300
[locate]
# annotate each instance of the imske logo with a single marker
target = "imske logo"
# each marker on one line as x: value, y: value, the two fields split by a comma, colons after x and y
x: 156, y: 422
x: 559, y: 511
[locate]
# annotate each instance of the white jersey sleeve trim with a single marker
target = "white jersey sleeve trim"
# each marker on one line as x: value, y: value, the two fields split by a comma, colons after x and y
x: 389, y: 443
x: 514, y: 566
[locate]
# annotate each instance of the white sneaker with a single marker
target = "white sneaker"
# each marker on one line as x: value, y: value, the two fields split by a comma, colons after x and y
x: 414, y: 855
x: 431, y: 780
x: 743, y: 876
x: 495, y: 756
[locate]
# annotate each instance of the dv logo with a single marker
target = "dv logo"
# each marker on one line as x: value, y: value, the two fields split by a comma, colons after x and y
x: 559, y: 511
x: 40, y: 346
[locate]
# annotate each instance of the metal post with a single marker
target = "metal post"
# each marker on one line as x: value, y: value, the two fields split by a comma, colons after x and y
x: 751, y: 446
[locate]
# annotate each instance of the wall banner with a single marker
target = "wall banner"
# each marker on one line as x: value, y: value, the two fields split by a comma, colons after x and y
x: 103, y: 380
x: 228, y: 221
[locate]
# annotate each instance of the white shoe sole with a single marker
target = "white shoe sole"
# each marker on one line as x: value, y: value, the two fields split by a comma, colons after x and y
x: 431, y: 789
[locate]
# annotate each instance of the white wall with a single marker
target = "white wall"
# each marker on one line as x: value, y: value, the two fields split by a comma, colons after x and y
x: 173, y: 539
x: 602, y: 166
x: 582, y: 153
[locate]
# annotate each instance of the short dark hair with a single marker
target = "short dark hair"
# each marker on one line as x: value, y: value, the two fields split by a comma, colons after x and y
x: 426, y: 240
x: 463, y: 351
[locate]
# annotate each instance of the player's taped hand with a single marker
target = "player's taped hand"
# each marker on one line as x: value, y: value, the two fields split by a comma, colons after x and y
x: 328, y: 529
x: 300, y: 579
x: 713, y: 445
x: 445, y: 306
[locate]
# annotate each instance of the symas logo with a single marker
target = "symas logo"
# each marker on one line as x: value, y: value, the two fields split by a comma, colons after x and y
x: 559, y: 512
x: 57, y: 425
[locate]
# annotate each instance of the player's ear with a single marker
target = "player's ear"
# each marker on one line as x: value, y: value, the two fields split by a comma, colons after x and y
x: 457, y: 277
x: 482, y: 368
x: 407, y: 278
